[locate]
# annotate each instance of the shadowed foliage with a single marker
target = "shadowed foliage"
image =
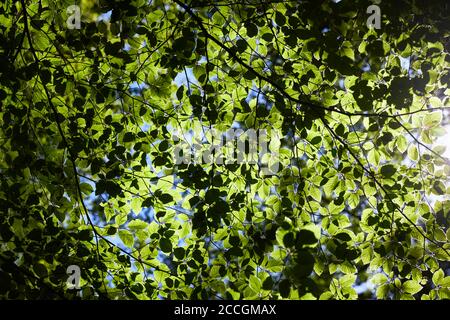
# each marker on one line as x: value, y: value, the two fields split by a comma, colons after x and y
x: 358, y: 207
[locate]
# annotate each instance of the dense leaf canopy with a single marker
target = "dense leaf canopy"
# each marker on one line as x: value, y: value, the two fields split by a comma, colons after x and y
x: 357, y: 207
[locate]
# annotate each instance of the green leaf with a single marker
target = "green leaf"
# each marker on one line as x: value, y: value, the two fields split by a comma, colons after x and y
x: 166, y: 245
x: 179, y: 253
x: 268, y: 283
x: 326, y: 296
x: 413, y: 153
x: 439, y: 235
x: 347, y: 280
x: 411, y: 286
x: 137, y: 225
x: 378, y: 279
x: 147, y: 203
x: 432, y: 119
x: 387, y: 170
x: 40, y: 270
x: 382, y: 291
x: 128, y: 137
x: 438, y: 276
x: 330, y: 186
x: 445, y: 282
x: 288, y: 240
x: 280, y: 19
x: 285, y: 288
x: 402, y: 143
x: 306, y: 237
x: 316, y: 140
x: 163, y: 146
x: 343, y: 236
x: 127, y: 238
x: 374, y: 157
x: 85, y: 235
x: 255, y: 283
x: 166, y: 198
x: 315, y: 193
x: 86, y: 188
x: 252, y: 29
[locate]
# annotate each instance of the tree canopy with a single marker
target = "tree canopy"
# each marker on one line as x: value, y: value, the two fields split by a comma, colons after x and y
x: 355, y: 204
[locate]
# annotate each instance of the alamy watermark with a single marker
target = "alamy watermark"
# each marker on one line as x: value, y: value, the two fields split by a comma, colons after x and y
x: 74, y: 17
x: 73, y: 281
x: 374, y: 20
x: 234, y: 146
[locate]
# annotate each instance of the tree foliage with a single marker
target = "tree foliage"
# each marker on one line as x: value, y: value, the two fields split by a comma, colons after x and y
x: 88, y: 175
